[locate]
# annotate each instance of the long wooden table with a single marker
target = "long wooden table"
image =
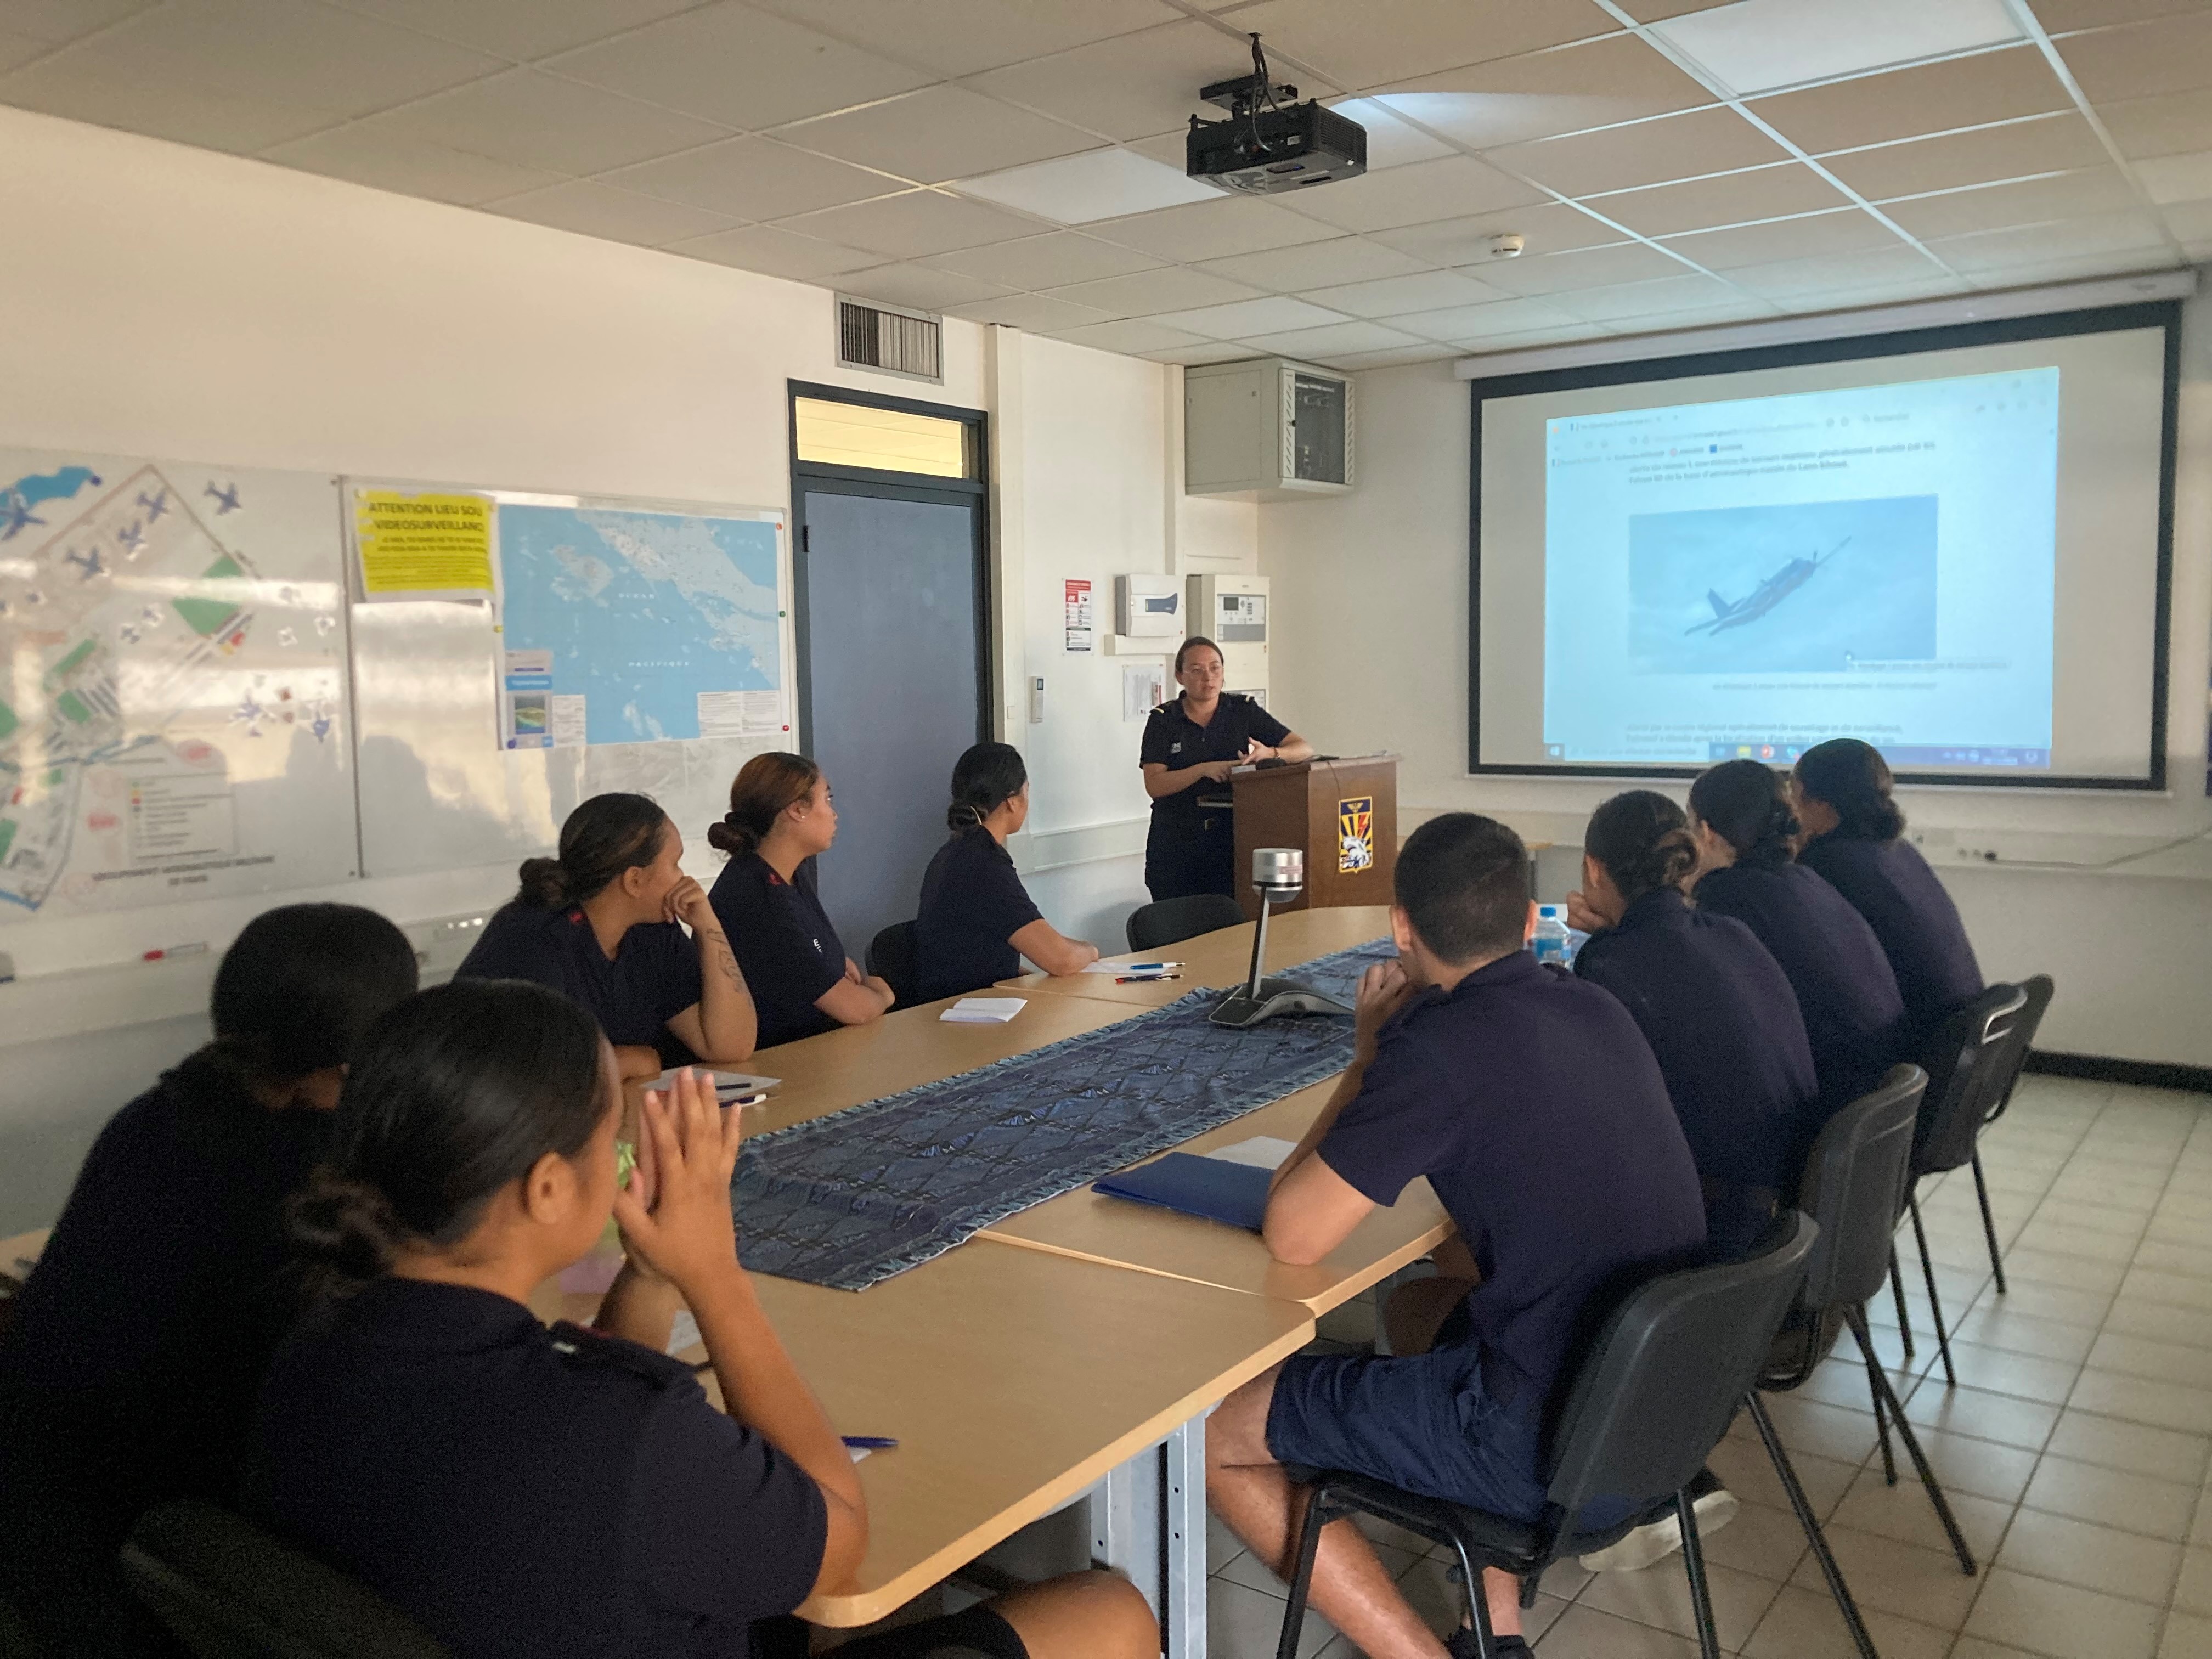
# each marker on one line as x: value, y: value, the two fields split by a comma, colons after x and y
x: 1221, y: 959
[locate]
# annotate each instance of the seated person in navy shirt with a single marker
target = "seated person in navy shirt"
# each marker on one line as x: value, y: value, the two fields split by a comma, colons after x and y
x: 781, y: 818
x: 598, y: 923
x: 128, y: 1374
x: 528, y: 1493
x: 1533, y: 1105
x: 1854, y: 1016
x: 1853, y: 835
x: 977, y: 921
x: 1714, y: 1007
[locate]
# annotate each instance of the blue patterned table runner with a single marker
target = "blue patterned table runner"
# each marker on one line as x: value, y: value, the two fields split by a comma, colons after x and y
x: 860, y: 1194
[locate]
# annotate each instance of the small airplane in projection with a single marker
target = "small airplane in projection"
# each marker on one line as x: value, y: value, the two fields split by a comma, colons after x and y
x: 226, y: 500
x: 1764, y: 597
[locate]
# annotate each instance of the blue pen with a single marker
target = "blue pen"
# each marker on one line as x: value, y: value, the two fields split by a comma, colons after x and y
x: 870, y: 1442
x: 1144, y: 967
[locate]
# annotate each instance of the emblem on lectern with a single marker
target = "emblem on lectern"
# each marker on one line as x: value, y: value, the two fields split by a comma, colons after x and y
x: 1355, y: 833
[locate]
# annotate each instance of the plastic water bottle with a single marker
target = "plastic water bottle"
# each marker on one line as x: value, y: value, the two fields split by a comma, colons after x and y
x: 1553, y: 940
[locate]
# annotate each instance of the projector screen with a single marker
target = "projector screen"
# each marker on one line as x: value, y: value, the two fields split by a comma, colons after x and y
x: 1952, y: 544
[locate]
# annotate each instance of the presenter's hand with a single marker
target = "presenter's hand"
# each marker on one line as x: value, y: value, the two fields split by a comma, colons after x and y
x: 1256, y: 751
x: 1216, y: 771
x: 1384, y: 989
x: 687, y: 903
x: 1582, y: 918
x: 688, y: 1235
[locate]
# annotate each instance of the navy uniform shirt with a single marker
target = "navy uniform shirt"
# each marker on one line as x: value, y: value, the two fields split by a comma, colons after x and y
x: 128, y: 1375
x: 1174, y: 740
x: 652, y: 977
x: 1889, y: 883
x: 1723, y: 1023
x: 1854, y: 1016
x: 1532, y: 1104
x: 527, y: 1493
x: 784, y: 943
x: 972, y: 905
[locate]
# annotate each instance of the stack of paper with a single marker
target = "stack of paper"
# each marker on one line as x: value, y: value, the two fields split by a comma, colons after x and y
x: 984, y: 1011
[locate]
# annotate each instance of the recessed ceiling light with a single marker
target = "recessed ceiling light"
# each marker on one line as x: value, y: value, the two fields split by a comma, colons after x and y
x: 1757, y: 45
x: 1099, y: 184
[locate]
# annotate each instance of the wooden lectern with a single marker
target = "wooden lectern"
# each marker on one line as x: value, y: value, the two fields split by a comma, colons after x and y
x: 1342, y: 814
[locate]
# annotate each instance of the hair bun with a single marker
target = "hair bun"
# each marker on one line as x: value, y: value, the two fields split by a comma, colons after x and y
x: 544, y: 883
x: 727, y: 834
x: 344, y: 1227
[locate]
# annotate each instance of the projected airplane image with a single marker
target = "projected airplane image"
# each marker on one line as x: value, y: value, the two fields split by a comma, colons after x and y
x: 1764, y: 598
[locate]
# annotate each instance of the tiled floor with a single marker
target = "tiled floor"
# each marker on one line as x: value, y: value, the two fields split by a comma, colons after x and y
x: 2076, y: 1449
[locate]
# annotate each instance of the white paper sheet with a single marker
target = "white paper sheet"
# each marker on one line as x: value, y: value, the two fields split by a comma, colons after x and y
x: 983, y: 1010
x: 1260, y: 1151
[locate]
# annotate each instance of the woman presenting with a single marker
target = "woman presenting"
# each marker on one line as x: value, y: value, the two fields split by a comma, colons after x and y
x: 1191, y: 745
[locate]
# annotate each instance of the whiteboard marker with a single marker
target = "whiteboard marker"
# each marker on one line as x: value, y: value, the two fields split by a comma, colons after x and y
x: 199, y: 948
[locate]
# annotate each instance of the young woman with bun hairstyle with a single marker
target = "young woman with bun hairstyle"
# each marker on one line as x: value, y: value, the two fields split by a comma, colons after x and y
x: 598, y: 922
x: 977, y: 921
x: 781, y: 818
x: 128, y: 1373
x: 521, y: 1491
x: 1748, y: 868
x: 1714, y: 1005
x: 1853, y: 835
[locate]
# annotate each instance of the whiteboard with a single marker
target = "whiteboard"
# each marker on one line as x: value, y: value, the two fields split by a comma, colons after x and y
x: 173, y: 718
x: 440, y: 788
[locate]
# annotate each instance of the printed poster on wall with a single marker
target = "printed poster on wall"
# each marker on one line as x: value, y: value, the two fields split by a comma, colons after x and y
x: 1082, y: 632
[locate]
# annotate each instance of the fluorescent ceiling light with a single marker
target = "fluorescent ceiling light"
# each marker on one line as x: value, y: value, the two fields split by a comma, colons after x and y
x: 1099, y: 184
x: 1757, y: 45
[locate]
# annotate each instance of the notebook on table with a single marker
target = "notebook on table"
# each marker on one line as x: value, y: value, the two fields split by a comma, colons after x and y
x: 1213, y: 1187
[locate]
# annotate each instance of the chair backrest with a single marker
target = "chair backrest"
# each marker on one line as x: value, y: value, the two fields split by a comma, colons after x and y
x: 2037, y: 989
x: 230, y: 1590
x: 1668, y: 1371
x: 1966, y: 1077
x: 1170, y: 921
x: 892, y: 955
x: 1852, y: 1178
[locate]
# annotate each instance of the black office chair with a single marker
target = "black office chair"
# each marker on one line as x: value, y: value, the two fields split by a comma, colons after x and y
x: 892, y: 955
x: 1648, y: 1404
x: 230, y: 1590
x: 2037, y: 989
x: 1849, y: 1192
x: 1968, y: 1077
x: 1164, y: 922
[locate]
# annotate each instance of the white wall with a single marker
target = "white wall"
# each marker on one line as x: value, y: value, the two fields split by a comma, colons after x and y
x: 1372, y: 653
x: 173, y: 302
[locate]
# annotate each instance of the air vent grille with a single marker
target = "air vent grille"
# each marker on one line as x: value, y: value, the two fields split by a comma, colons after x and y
x: 888, y: 340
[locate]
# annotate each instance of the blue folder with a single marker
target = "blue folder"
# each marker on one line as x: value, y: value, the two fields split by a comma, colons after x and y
x: 1210, y: 1186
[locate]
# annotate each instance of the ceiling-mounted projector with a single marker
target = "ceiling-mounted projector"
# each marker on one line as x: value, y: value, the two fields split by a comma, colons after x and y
x: 1271, y: 143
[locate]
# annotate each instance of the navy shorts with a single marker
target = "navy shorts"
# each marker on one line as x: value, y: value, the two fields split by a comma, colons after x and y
x: 1425, y: 1423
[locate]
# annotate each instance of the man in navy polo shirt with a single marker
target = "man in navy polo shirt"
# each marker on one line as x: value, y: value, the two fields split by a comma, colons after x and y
x: 1532, y: 1104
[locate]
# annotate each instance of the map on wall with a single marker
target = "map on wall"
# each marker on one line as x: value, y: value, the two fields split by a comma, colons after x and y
x: 628, y: 625
x: 172, y: 706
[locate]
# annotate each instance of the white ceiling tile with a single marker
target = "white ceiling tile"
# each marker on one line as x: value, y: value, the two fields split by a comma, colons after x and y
x: 1391, y: 140
x: 1688, y: 146
x: 2166, y: 54
x: 1287, y: 270
x: 1733, y: 198
x: 2190, y: 221
x: 1052, y: 260
x: 2171, y: 122
x: 964, y: 37
x: 1274, y: 314
x: 17, y: 50
x: 55, y: 22
x: 923, y: 287
x: 389, y: 161
x: 1785, y: 279
x: 1618, y: 77
x: 1560, y: 273
x: 1951, y: 92
x: 2118, y: 263
x: 1131, y: 87
x: 1098, y: 183
x: 910, y: 225
x: 1398, y: 359
x: 2024, y: 202
x: 2014, y: 149
x: 1758, y: 45
x: 1458, y: 323
x: 1846, y: 231
x: 592, y: 208
x: 743, y: 67
x: 292, y: 52
x: 2177, y: 177
x: 1334, y: 340
x: 519, y: 29
x: 71, y: 85
x: 536, y: 120
x: 1209, y: 351
x: 1546, y: 228
x: 1626, y: 300
x: 1171, y: 287
x: 1381, y: 40
x: 1212, y: 230
x: 1395, y: 296
x: 753, y: 179
x: 1131, y: 336
x: 1886, y: 294
x: 776, y: 254
x: 1039, y: 313
x: 2093, y: 236
x: 1450, y: 188
x: 938, y: 134
x: 1503, y: 343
